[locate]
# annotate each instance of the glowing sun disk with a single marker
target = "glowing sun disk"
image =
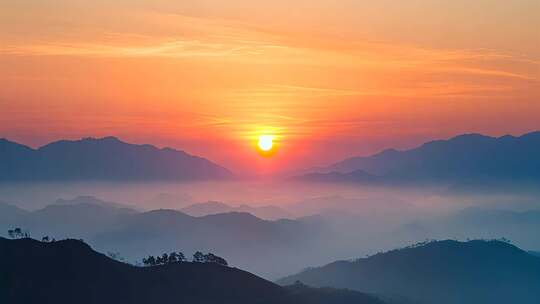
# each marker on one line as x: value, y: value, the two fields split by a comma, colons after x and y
x: 266, y: 142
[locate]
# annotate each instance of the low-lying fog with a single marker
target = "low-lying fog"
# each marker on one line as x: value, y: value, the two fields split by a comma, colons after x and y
x: 324, y: 222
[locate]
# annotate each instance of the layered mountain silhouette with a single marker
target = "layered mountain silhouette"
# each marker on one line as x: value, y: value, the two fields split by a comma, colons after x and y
x: 438, y: 272
x: 107, y: 159
x: 268, y: 248
x: 71, y: 272
x: 83, y: 217
x: 209, y: 208
x: 462, y: 158
x: 249, y: 242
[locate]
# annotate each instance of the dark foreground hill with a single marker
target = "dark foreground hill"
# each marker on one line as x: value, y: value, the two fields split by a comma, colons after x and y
x: 107, y: 159
x: 71, y: 272
x: 440, y: 272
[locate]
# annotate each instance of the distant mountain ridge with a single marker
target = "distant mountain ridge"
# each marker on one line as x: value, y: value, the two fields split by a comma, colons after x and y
x: 244, y: 238
x: 209, y: 208
x: 107, y: 158
x: 83, y: 217
x: 444, y: 272
x: 464, y: 157
x: 70, y: 271
x: 89, y: 200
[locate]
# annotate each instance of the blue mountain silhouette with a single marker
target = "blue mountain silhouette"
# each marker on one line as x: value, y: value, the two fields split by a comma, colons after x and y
x: 439, y: 272
x: 102, y: 159
x: 464, y: 157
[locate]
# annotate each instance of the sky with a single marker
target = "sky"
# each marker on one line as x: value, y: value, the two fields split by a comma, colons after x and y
x: 329, y: 79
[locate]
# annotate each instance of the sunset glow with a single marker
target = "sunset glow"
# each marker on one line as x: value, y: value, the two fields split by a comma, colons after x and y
x: 199, y: 75
x: 291, y: 152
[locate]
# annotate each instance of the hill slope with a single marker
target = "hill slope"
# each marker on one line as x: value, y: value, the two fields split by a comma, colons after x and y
x: 439, y: 272
x: 102, y: 159
x: 254, y: 244
x: 71, y: 272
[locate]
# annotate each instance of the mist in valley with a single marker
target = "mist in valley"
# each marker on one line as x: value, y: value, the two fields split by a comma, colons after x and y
x: 269, y: 227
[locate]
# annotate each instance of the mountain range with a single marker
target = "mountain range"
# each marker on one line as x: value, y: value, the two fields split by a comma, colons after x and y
x: 83, y: 217
x: 69, y: 271
x: 421, y: 274
x: 442, y: 272
x: 107, y: 159
x: 336, y: 228
x: 249, y: 242
x: 209, y: 208
x: 462, y: 158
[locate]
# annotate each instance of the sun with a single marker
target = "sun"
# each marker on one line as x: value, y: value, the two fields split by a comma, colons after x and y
x: 266, y: 143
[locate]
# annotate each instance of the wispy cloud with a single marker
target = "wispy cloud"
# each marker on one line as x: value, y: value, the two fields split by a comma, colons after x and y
x: 172, y: 49
x: 182, y: 36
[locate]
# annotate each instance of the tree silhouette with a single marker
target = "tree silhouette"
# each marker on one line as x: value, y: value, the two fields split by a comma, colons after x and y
x: 17, y: 233
x: 180, y: 256
x: 149, y: 261
x: 173, y: 257
x: 221, y: 261
x: 198, y: 257
x: 212, y: 258
x: 164, y: 259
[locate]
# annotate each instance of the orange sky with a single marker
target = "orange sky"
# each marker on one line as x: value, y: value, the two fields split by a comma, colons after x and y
x: 329, y: 79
